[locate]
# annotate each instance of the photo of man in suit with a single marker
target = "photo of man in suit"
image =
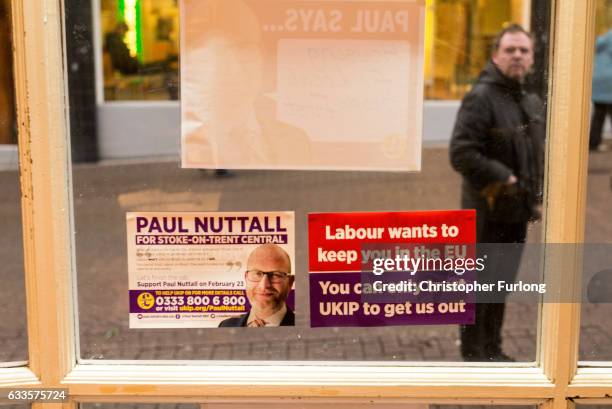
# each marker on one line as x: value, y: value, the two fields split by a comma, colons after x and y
x: 268, y: 283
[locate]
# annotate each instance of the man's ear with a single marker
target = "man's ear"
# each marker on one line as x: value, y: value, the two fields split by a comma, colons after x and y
x: 291, y: 281
x: 245, y: 276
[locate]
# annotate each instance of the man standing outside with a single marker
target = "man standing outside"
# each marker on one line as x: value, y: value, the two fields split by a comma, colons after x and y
x: 602, y: 90
x: 268, y: 282
x: 497, y: 146
x: 121, y: 59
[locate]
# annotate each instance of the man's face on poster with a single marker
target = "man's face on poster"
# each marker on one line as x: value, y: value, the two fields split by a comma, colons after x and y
x: 268, y: 278
x: 231, y: 79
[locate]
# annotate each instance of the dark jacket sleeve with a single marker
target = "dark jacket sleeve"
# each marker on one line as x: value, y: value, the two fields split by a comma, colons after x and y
x: 468, y: 150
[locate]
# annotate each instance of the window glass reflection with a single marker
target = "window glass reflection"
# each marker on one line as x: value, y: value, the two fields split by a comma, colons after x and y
x: 140, y: 49
x: 596, y: 331
x: 141, y: 42
x: 104, y: 192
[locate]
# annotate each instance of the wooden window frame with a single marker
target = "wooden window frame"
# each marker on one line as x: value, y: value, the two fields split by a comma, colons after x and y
x: 555, y: 380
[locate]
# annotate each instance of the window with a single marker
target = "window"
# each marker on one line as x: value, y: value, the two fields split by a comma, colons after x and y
x: 594, y: 344
x: 140, y: 45
x: 460, y: 34
x: 552, y: 381
x: 139, y: 49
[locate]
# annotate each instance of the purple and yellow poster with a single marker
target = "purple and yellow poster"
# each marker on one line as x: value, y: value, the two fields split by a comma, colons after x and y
x: 191, y: 270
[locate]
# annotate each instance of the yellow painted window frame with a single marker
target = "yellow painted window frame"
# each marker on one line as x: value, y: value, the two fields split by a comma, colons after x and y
x: 554, y: 381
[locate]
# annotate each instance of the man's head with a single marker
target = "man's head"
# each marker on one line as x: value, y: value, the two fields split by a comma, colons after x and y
x: 268, y: 279
x: 223, y: 40
x: 121, y: 28
x: 513, y: 52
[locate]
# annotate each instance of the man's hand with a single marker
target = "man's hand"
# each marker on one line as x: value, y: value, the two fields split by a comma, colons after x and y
x: 490, y: 192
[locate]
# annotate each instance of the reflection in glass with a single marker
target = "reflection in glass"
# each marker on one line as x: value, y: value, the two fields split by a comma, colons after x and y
x: 8, y: 135
x: 139, y: 49
x: 596, y: 328
x: 105, y: 192
x: 459, y: 38
x: 497, y: 146
x: 140, y: 45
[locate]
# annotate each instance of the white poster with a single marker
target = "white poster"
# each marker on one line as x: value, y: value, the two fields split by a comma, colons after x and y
x: 193, y: 270
x: 310, y: 84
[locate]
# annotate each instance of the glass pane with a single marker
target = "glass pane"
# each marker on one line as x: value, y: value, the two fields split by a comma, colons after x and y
x: 140, y: 43
x: 596, y: 325
x: 140, y: 49
x: 130, y: 176
x: 103, y: 324
x: 13, y: 337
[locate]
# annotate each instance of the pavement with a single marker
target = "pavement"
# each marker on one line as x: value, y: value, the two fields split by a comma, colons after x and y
x: 104, y: 192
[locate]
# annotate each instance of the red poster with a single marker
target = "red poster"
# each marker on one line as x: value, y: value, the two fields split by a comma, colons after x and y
x: 384, y: 268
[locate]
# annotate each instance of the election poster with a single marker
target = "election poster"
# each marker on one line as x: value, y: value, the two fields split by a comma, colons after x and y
x: 302, y: 84
x: 210, y: 269
x: 391, y: 268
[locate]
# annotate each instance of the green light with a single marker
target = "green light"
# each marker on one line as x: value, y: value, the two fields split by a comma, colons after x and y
x: 139, y: 30
x: 129, y: 11
x: 120, y: 10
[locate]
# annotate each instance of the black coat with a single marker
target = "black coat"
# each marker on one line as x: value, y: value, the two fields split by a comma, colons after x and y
x: 500, y: 131
x: 287, y: 321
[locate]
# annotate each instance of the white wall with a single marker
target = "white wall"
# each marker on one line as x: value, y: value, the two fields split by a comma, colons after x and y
x: 9, y: 157
x: 136, y: 129
x: 145, y: 129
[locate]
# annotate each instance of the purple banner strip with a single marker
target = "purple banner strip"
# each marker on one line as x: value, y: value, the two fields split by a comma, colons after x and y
x: 188, y: 239
x: 181, y: 300
x: 336, y: 301
x: 156, y: 301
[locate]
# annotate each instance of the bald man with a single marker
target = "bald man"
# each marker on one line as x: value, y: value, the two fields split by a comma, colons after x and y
x: 268, y: 279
